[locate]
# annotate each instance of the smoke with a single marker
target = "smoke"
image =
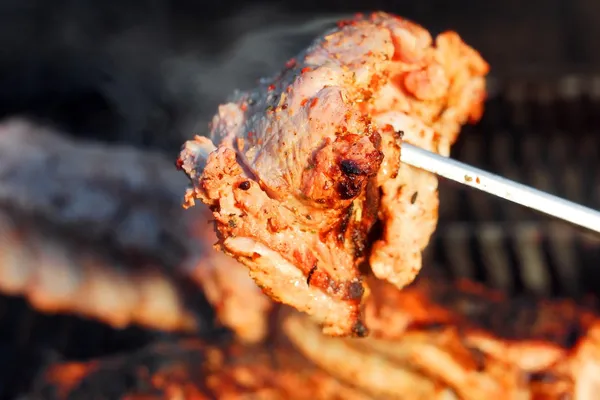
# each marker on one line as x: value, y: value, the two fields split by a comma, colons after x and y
x: 148, y: 74
x: 260, y: 48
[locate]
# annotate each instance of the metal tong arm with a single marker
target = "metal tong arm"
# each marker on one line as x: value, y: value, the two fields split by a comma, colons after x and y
x: 501, y: 187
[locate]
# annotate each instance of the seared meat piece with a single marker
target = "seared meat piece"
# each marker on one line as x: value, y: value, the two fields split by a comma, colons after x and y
x: 549, y: 351
x: 475, y: 341
x: 430, y: 92
x: 194, y: 371
x: 98, y: 231
x: 128, y: 198
x: 238, y: 302
x: 94, y: 230
x: 305, y: 164
x: 369, y: 370
x: 57, y: 276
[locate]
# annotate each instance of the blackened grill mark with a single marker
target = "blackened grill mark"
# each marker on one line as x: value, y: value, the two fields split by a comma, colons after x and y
x: 543, y: 377
x: 355, y: 291
x: 245, y: 185
x: 478, y: 358
x: 351, y: 167
x: 345, y: 290
x: 355, y: 172
x: 310, y: 274
x: 359, y: 329
x: 413, y: 198
x: 349, y: 189
x: 319, y: 278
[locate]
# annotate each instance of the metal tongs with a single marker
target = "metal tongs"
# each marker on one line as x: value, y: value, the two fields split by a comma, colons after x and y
x: 501, y: 187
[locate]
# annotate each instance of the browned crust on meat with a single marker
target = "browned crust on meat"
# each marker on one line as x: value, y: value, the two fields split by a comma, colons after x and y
x: 238, y: 303
x: 251, y: 203
x: 304, y: 165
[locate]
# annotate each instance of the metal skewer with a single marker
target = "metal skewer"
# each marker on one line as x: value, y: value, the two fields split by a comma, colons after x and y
x: 501, y: 187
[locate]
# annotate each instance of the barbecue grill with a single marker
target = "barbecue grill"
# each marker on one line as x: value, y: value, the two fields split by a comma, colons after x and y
x: 542, y: 133
x: 541, y: 127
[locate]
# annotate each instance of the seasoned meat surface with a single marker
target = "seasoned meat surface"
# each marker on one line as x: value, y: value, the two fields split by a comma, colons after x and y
x: 298, y: 171
x: 238, y: 303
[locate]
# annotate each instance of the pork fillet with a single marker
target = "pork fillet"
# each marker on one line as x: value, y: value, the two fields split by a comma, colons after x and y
x: 298, y: 171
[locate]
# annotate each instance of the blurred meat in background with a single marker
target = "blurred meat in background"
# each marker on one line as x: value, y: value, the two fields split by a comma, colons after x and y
x: 98, y: 257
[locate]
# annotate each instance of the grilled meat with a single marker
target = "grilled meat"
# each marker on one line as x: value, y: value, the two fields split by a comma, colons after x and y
x: 98, y: 231
x: 93, y: 230
x: 369, y: 370
x: 475, y: 341
x: 239, y: 304
x: 192, y: 370
x: 307, y: 163
x: 548, y: 350
x: 117, y: 194
x: 58, y: 277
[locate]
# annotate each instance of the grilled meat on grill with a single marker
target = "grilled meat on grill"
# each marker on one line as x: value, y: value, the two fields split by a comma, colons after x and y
x: 192, y: 370
x: 239, y: 304
x: 98, y: 231
x: 93, y: 230
x: 473, y: 340
x: 298, y: 171
x: 549, y: 350
x: 58, y: 277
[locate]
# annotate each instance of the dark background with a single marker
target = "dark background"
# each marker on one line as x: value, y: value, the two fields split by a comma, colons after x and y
x: 148, y: 71
x: 151, y: 73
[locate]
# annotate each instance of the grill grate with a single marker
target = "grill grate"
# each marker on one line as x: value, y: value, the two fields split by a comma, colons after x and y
x: 544, y: 134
